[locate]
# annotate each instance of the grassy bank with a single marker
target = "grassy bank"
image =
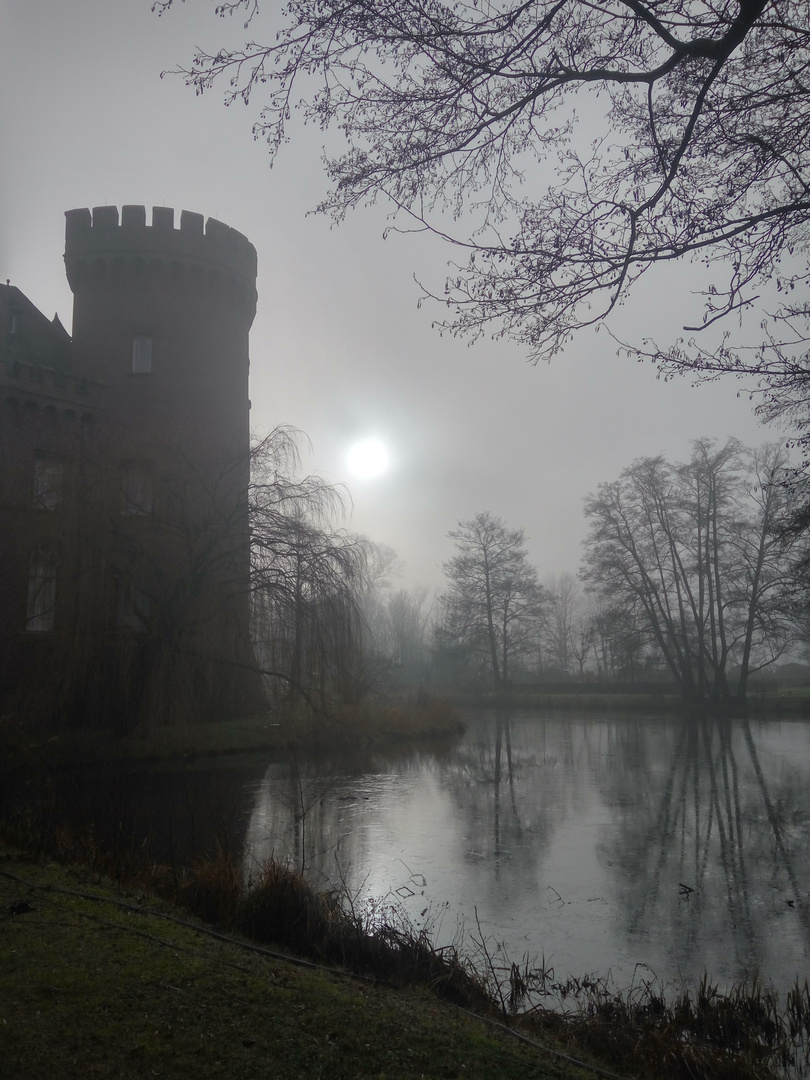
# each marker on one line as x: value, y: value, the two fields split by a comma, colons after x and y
x: 25, y: 740
x: 91, y: 988
x: 171, y: 972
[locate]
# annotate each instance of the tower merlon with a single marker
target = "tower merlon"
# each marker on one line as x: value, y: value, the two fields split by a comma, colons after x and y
x: 98, y: 235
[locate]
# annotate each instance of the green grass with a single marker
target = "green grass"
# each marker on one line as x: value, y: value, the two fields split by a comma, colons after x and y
x: 90, y: 990
x: 117, y: 981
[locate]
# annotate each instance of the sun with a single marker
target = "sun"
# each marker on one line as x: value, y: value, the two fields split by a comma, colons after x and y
x: 367, y: 458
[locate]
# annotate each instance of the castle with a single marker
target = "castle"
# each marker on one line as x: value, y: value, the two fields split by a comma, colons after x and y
x: 124, y: 467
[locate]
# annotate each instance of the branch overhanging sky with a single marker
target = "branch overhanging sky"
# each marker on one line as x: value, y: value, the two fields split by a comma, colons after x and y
x: 338, y: 347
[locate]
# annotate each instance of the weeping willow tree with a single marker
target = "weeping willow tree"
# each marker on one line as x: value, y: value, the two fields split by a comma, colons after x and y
x: 307, y: 582
x: 180, y: 589
x: 178, y: 593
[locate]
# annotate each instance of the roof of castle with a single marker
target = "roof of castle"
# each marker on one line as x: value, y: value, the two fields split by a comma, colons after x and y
x: 27, y: 335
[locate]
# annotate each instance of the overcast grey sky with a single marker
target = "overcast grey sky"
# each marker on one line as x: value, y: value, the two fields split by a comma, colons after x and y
x: 338, y: 347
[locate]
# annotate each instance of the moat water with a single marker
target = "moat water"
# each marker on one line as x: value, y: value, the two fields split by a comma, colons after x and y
x: 629, y: 847
x: 634, y: 848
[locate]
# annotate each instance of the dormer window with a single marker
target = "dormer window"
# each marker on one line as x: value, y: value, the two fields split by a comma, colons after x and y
x: 141, y: 355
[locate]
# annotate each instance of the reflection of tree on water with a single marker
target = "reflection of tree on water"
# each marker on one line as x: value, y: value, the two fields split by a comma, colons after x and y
x: 299, y: 816
x: 328, y: 816
x: 613, y: 815
x: 291, y: 817
x: 311, y: 813
x: 502, y: 732
x: 509, y: 800
x: 712, y: 858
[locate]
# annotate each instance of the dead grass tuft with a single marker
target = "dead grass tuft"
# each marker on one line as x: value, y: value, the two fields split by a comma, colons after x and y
x: 278, y: 906
x: 743, y: 1033
x: 419, y: 715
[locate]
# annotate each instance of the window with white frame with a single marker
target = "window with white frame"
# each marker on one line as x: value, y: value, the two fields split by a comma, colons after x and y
x: 141, y: 355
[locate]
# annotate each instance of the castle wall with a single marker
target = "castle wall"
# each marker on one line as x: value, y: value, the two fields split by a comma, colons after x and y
x: 145, y: 424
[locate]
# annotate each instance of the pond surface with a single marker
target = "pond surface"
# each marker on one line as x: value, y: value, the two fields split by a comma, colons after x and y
x: 597, y: 845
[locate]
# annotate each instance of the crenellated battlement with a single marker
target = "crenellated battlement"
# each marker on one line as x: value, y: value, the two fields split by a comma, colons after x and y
x: 98, y: 243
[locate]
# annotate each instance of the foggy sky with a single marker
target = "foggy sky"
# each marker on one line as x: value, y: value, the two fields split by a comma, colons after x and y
x: 338, y: 347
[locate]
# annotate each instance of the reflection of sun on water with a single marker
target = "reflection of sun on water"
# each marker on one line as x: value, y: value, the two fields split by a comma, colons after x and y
x: 367, y: 458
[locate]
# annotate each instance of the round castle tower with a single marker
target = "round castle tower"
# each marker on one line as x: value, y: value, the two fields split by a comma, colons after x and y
x: 161, y: 316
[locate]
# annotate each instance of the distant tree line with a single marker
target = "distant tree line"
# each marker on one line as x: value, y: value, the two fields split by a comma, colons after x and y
x: 694, y: 573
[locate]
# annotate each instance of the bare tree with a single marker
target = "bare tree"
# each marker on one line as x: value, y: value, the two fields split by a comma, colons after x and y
x: 697, y: 556
x: 561, y: 620
x: 583, y: 641
x: 621, y: 642
x: 696, y: 147
x: 494, y: 599
x: 614, y: 638
x: 381, y: 566
x: 408, y: 612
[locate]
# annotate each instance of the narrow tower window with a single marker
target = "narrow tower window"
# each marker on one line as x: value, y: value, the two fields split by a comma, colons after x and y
x: 141, y: 355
